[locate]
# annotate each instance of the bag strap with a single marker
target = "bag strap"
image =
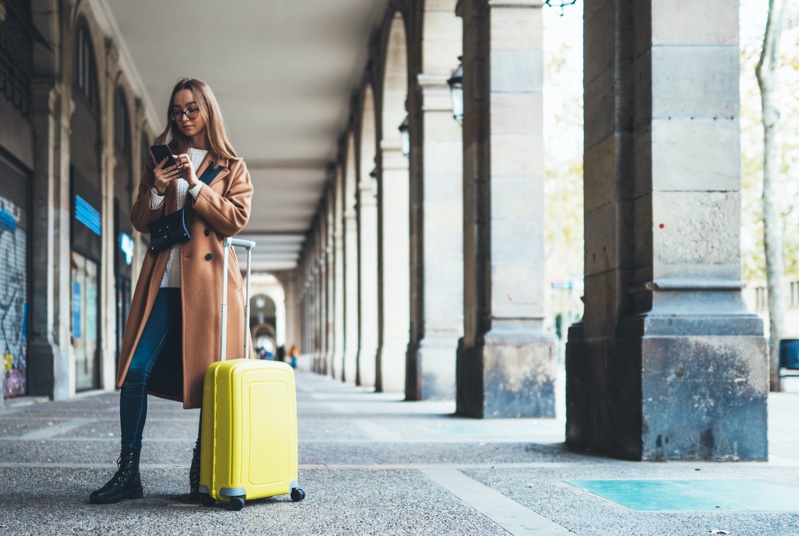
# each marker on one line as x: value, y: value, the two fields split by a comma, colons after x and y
x: 210, y: 174
x: 207, y: 177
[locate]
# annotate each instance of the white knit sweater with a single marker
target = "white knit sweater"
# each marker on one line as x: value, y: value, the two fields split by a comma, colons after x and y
x: 172, y: 274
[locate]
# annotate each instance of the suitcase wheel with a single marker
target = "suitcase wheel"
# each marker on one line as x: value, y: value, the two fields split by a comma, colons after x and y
x: 297, y: 495
x: 207, y: 500
x: 236, y: 503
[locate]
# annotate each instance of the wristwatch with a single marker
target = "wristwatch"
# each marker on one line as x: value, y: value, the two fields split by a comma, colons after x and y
x: 156, y: 192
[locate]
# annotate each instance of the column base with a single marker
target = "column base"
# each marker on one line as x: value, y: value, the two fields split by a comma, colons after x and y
x: 430, y: 372
x: 509, y: 375
x: 337, y: 365
x: 367, y: 365
x: 350, y: 367
x: 391, y: 367
x: 41, y: 360
x: 671, y: 388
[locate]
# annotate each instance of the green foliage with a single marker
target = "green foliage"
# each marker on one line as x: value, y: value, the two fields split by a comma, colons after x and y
x: 563, y: 117
x: 752, y: 248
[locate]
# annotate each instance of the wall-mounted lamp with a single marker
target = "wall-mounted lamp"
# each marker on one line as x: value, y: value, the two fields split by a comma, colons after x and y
x: 405, y: 138
x: 455, y: 83
x: 373, y: 174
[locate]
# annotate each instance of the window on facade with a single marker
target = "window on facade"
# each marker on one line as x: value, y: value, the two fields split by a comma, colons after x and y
x: 794, y: 294
x: 84, y: 65
x: 16, y: 55
x: 760, y: 298
x: 121, y: 129
x: 145, y: 150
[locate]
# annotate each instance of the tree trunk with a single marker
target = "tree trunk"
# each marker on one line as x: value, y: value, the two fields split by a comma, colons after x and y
x: 772, y: 224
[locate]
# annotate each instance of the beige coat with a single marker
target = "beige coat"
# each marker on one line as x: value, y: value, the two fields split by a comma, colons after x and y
x: 221, y: 209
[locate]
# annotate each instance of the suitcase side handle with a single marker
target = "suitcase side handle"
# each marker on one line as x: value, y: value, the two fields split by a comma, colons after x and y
x: 226, y: 244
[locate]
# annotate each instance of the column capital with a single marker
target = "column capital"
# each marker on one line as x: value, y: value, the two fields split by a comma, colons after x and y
x: 45, y: 95
x: 393, y: 159
x: 432, y: 81
x: 435, y: 92
x: 366, y: 199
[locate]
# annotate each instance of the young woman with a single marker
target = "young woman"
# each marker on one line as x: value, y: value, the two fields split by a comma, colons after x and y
x: 173, y: 330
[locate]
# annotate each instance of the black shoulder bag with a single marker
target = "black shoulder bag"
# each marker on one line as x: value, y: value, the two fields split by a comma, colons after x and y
x: 173, y: 228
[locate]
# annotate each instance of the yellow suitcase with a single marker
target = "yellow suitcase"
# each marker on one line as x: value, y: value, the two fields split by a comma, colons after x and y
x: 249, y: 422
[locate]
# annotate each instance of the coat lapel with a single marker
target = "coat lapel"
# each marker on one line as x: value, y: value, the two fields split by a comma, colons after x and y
x: 206, y: 163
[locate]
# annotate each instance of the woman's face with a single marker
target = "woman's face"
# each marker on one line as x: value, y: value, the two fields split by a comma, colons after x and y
x: 191, y: 122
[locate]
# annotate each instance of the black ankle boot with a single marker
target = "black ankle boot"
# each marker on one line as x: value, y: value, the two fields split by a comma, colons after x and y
x: 194, y: 474
x: 126, y: 482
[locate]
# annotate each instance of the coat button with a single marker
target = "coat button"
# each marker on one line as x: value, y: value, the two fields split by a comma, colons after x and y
x: 208, y: 257
x: 207, y: 232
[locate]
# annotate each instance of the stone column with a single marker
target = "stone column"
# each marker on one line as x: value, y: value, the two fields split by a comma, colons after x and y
x: 437, y: 243
x: 320, y: 272
x: 293, y: 309
x: 316, y: 312
x: 309, y: 326
x: 367, y: 283
x: 394, y: 268
x: 304, y: 324
x: 108, y: 294
x: 667, y: 363
x: 338, y: 274
x: 330, y: 283
x: 351, y: 294
x: 49, y: 241
x: 507, y: 361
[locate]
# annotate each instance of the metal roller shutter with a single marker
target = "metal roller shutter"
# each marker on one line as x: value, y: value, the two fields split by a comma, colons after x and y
x: 14, y: 271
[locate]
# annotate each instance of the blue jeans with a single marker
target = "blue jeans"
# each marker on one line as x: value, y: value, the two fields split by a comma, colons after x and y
x: 165, y: 321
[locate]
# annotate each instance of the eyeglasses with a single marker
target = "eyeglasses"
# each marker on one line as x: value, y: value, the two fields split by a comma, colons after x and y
x: 191, y: 113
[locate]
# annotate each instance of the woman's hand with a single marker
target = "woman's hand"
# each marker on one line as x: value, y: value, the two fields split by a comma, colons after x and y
x: 164, y: 176
x: 188, y: 171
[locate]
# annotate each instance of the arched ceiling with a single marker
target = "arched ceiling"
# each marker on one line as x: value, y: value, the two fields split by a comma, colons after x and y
x: 283, y: 72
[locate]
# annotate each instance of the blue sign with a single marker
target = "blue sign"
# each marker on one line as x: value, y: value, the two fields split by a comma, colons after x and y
x: 88, y: 215
x: 126, y: 247
x: 76, y: 306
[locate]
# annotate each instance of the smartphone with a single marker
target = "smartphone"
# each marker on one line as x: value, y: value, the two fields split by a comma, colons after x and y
x: 163, y: 151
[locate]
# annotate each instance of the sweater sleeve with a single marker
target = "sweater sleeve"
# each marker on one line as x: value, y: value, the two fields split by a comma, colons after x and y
x: 155, y: 199
x: 142, y: 212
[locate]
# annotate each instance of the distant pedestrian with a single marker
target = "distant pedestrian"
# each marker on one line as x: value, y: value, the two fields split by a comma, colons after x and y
x: 173, y: 332
x: 281, y: 353
x: 294, y: 353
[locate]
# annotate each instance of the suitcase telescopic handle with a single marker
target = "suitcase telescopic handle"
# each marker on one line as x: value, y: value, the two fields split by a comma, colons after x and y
x: 250, y: 245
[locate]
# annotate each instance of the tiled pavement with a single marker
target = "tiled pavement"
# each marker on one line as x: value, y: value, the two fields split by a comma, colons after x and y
x: 372, y: 464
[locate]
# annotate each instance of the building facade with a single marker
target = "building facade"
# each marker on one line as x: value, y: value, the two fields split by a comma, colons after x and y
x: 423, y: 269
x: 667, y: 361
x: 73, y: 136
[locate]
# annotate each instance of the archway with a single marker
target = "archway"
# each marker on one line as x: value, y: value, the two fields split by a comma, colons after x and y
x: 351, y: 291
x: 124, y: 244
x: 86, y: 203
x: 268, y: 306
x: 368, y: 179
x: 394, y: 223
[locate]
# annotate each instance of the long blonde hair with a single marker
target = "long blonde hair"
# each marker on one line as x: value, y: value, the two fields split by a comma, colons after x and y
x: 218, y: 143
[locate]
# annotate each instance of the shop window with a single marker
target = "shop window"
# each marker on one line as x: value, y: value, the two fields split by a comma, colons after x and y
x: 121, y: 125
x: 14, y: 271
